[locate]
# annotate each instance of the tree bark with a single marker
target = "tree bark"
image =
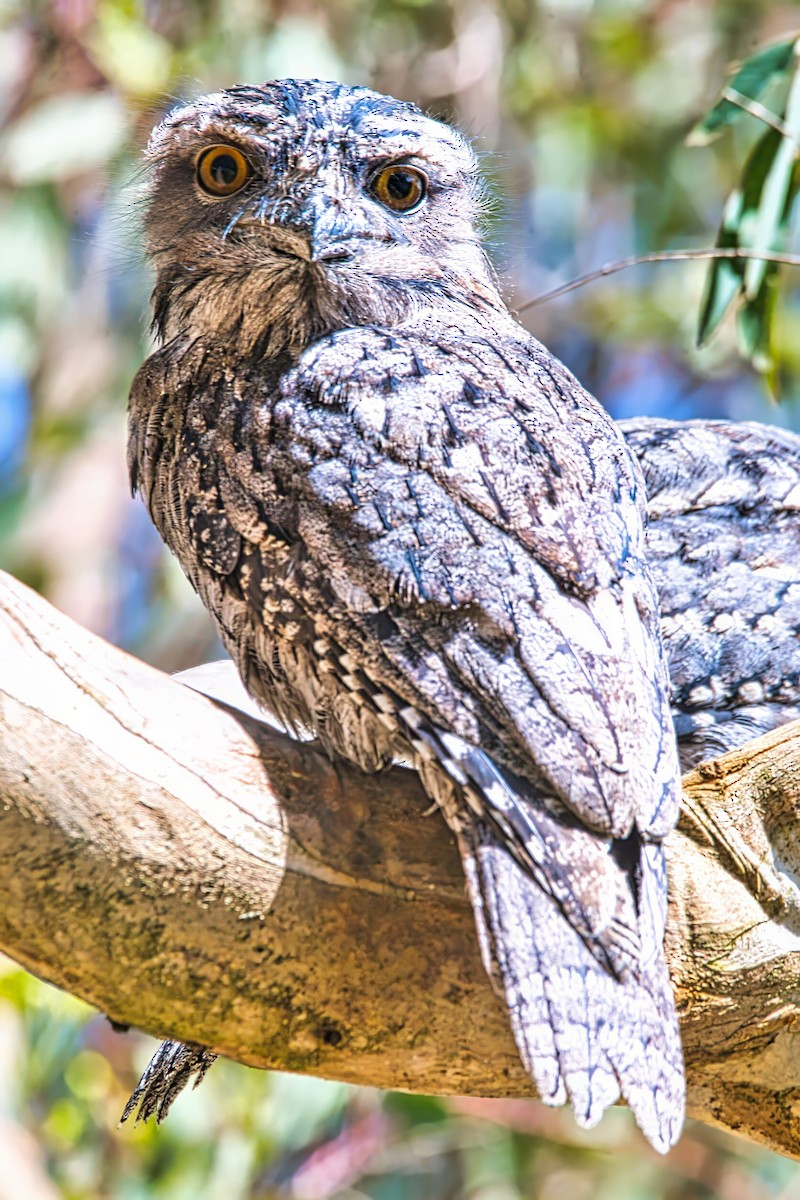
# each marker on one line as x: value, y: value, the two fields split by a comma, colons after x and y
x: 190, y: 871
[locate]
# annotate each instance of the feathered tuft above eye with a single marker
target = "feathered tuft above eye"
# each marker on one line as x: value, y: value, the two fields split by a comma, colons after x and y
x: 399, y: 187
x: 222, y: 170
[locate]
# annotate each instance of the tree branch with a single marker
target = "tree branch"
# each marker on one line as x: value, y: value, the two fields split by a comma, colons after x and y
x: 192, y: 872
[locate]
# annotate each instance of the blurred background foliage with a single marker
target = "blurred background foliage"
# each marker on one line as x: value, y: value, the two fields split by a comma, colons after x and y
x: 580, y: 109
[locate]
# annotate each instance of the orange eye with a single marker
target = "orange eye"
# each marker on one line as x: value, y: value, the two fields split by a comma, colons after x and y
x: 400, y: 188
x: 222, y: 170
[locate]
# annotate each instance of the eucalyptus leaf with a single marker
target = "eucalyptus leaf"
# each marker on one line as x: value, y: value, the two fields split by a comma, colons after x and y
x: 776, y: 195
x: 726, y: 275
x: 769, y: 231
x: 723, y: 284
x: 755, y: 217
x: 750, y: 80
x: 754, y: 323
x: 724, y: 278
x: 757, y: 71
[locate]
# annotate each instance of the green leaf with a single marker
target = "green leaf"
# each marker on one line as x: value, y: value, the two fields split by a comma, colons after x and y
x: 754, y: 329
x: 756, y: 170
x: 750, y: 80
x: 755, y: 217
x: 724, y: 278
x: 723, y: 284
x: 769, y: 231
x: 775, y: 195
x: 726, y: 275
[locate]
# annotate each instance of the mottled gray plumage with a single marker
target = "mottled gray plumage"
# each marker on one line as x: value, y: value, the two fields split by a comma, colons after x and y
x: 723, y: 541
x: 724, y: 546
x: 422, y: 539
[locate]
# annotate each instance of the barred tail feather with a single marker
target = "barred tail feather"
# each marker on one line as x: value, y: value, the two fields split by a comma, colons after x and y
x: 585, y: 1036
x: 571, y: 926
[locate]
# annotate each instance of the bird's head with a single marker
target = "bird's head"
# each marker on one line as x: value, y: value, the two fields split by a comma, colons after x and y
x: 275, y: 214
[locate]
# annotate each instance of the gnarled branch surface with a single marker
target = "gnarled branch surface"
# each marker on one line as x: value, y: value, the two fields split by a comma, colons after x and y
x: 192, y: 872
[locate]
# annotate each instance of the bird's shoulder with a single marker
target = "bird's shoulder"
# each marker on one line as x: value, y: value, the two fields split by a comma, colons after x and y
x: 499, y: 427
x: 472, y: 489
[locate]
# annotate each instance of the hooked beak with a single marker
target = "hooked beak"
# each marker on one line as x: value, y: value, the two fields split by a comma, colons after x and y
x: 321, y: 234
x: 330, y: 251
x: 331, y: 229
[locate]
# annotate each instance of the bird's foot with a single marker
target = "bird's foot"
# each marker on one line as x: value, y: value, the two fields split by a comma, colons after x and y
x: 169, y: 1071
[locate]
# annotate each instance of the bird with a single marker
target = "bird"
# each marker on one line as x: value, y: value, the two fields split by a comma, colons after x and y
x: 421, y: 539
x: 723, y: 543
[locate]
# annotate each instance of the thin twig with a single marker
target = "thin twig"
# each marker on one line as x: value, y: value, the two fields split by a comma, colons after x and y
x: 789, y: 260
x: 739, y: 100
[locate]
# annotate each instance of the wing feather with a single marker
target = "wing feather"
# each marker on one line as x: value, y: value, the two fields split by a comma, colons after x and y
x: 724, y: 547
x: 499, y: 524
